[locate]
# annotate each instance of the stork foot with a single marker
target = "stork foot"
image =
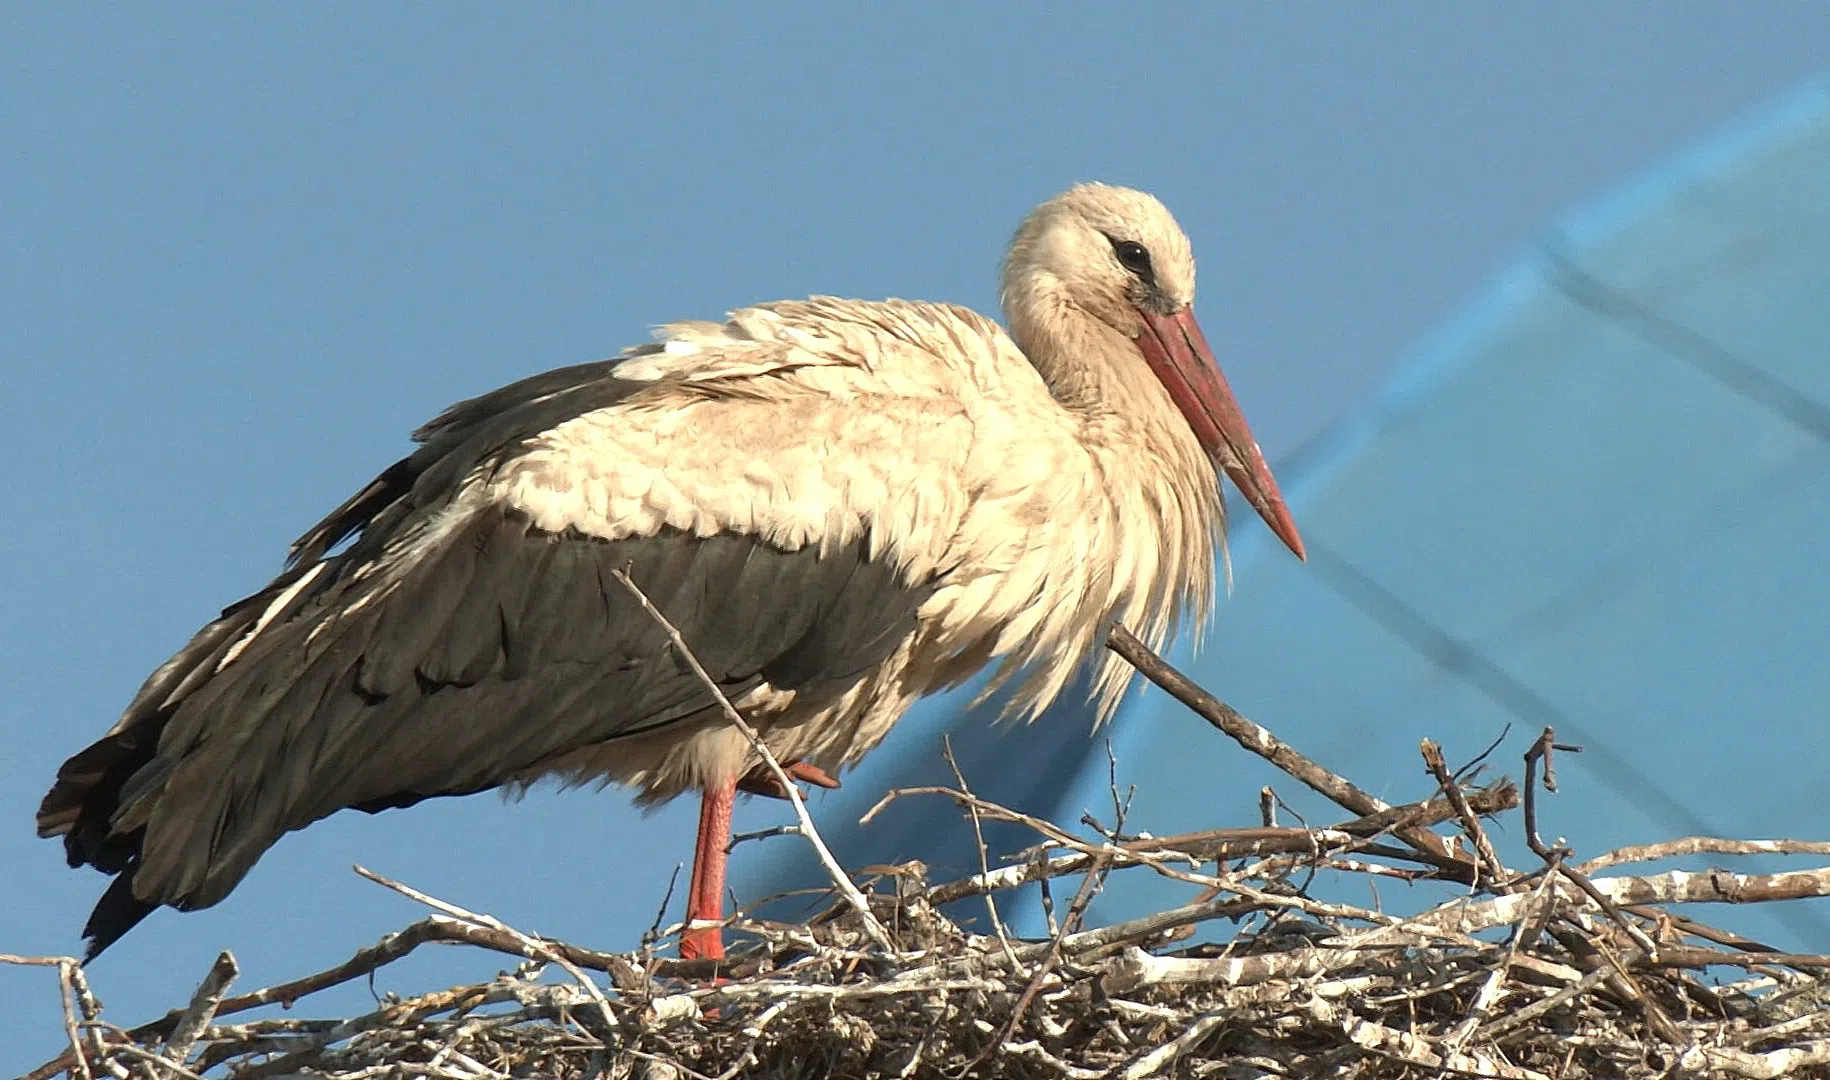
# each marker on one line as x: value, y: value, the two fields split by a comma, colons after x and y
x: 763, y: 781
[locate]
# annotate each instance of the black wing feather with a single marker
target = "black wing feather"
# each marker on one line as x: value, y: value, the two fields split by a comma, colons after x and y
x: 435, y: 592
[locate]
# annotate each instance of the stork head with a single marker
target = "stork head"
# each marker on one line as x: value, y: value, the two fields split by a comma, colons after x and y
x: 1115, y: 257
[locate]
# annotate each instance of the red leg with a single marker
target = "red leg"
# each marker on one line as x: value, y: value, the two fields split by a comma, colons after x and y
x: 705, y: 898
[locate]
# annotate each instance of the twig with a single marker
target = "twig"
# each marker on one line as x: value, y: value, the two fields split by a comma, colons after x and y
x: 1206, y: 846
x: 72, y: 995
x: 87, y: 1007
x: 389, y: 949
x: 70, y: 1028
x: 1501, y: 795
x: 1046, y: 897
x: 1542, y: 750
x: 1541, y: 753
x: 769, y: 833
x: 1690, y: 956
x: 1089, y: 887
x: 1772, y: 1065
x: 1684, y: 924
x: 1035, y: 1049
x: 1526, y: 930
x: 840, y: 879
x: 754, y: 1030
x: 1702, y: 845
x: 1134, y: 969
x: 202, y: 1009
x: 1247, y: 734
x: 1606, y: 903
x: 1257, y: 739
x: 653, y: 933
x: 1411, y: 1048
x: 158, y: 1062
x: 1715, y: 887
x: 1471, y: 824
x: 537, y: 948
x: 1156, y: 1061
x: 978, y: 836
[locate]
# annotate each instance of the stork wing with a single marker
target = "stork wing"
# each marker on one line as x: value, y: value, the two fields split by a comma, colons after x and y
x: 369, y: 680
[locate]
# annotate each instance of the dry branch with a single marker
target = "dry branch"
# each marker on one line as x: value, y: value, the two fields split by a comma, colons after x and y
x: 1260, y: 741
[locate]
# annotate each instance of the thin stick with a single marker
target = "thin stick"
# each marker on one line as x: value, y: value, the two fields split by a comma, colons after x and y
x: 1247, y: 734
x: 76, y: 1061
x: 389, y: 949
x: 1471, y: 825
x: 1259, y: 740
x: 1489, y: 993
x: 1089, y: 888
x: 1702, y: 845
x: 978, y: 836
x: 1156, y: 1061
x: 653, y: 933
x: 162, y: 1064
x: 537, y: 948
x: 1691, y: 956
x: 1542, y: 752
x: 840, y: 880
x: 202, y: 1009
x: 1205, y: 846
x: 70, y: 1027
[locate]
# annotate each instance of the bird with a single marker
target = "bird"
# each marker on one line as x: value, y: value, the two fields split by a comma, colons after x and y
x: 841, y: 505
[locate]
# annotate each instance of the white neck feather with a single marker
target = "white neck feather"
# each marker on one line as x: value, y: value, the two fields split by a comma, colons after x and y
x: 1164, y: 490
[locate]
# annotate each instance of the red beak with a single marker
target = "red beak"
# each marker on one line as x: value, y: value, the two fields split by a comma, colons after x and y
x: 1177, y: 352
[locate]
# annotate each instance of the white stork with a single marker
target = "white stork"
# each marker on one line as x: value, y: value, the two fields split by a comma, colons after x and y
x: 842, y: 505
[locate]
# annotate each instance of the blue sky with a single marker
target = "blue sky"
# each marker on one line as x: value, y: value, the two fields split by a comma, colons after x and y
x: 244, y: 250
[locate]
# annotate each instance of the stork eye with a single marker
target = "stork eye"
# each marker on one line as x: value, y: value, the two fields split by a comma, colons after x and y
x: 1133, y: 256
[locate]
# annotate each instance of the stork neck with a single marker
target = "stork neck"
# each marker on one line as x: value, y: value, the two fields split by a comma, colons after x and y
x: 1159, y: 485
x: 1098, y: 375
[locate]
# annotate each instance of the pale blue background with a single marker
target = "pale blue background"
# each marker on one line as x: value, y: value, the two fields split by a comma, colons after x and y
x: 244, y: 250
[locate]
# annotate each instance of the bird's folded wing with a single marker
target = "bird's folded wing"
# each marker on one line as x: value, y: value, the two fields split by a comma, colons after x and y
x: 453, y: 646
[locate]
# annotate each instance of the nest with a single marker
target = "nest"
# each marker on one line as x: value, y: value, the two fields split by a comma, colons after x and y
x: 1557, y: 969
